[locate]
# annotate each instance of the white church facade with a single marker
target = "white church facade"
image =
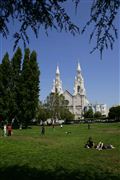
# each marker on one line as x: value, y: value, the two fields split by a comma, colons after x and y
x: 78, y: 101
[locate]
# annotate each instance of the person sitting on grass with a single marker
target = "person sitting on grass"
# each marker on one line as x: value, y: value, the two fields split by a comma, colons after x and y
x: 90, y: 143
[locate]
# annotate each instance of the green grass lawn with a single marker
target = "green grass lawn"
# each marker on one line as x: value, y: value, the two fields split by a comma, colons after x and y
x: 56, y: 155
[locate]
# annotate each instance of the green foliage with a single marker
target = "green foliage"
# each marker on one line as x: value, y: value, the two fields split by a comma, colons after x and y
x: 19, y: 87
x: 42, y: 113
x: 103, y: 14
x: 52, y: 14
x: 34, y: 15
x: 114, y: 113
x: 57, y: 106
x: 29, y: 81
x: 97, y: 115
x: 16, y: 72
x: 6, y: 98
x: 89, y: 113
x: 67, y: 115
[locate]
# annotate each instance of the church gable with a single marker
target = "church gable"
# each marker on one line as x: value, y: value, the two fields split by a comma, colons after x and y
x: 68, y: 96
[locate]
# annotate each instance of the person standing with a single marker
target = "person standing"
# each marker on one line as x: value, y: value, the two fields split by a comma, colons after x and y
x: 43, y: 130
x: 9, y: 129
x: 53, y: 123
x: 5, y: 130
x: 61, y: 126
x: 88, y: 125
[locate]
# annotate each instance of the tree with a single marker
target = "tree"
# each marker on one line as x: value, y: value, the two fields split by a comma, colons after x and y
x: 103, y: 14
x: 1, y: 93
x: 24, y: 98
x: 97, y: 115
x: 52, y: 14
x: 29, y: 88
x: 67, y: 115
x: 34, y: 83
x: 42, y: 113
x: 19, y: 87
x: 88, y: 113
x: 6, y: 98
x: 114, y: 113
x: 16, y: 72
x: 52, y: 104
x: 34, y: 14
x: 57, y: 106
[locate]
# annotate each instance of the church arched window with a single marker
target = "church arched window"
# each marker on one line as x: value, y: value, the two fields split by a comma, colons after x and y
x: 78, y: 89
x: 56, y: 90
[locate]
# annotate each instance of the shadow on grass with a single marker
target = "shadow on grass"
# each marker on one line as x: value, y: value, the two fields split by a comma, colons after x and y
x: 27, y: 173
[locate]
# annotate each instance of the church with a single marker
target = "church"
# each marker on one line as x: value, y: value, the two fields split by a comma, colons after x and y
x: 78, y: 101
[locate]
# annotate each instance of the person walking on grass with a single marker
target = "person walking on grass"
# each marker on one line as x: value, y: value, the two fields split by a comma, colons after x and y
x: 43, y: 129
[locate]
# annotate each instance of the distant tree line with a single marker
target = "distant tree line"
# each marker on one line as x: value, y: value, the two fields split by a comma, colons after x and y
x: 90, y: 114
x: 19, y: 87
x: 56, y: 107
x: 113, y: 114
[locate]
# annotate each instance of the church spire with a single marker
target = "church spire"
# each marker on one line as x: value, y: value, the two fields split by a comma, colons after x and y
x: 57, y: 70
x: 78, y: 67
x: 57, y: 83
x: 79, y: 82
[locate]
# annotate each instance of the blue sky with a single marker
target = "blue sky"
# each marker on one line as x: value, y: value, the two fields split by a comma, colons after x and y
x: 101, y: 77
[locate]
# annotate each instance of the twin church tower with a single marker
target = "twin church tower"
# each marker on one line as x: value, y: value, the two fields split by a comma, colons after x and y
x: 77, y: 100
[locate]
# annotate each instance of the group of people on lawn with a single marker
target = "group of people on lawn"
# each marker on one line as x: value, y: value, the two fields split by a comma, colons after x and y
x: 7, y: 129
x: 99, y: 146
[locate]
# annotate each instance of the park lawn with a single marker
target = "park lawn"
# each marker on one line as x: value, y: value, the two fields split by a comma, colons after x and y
x: 57, y: 155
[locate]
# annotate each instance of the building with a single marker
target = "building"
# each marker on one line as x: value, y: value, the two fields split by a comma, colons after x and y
x: 78, y: 101
x: 102, y: 108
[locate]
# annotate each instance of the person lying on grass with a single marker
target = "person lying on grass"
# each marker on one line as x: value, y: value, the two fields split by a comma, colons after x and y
x: 101, y: 146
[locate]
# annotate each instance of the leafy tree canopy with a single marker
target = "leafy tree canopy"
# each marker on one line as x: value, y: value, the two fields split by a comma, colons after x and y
x: 51, y: 14
x: 19, y: 87
x: 97, y: 115
x: 114, y: 113
x: 89, y: 113
x: 57, y: 106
